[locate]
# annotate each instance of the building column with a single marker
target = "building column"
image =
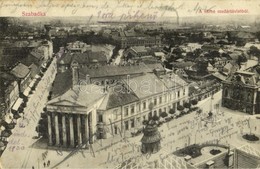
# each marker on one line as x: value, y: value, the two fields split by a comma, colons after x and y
x: 79, y: 129
x: 49, y: 129
x: 64, y: 132
x: 91, y: 137
x: 86, y: 134
x: 57, y: 134
x: 72, y: 141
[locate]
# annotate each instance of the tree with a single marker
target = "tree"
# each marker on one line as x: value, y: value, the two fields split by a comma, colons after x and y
x: 254, y: 51
x: 210, y: 114
x: 194, y: 102
x: 155, y: 118
x: 180, y: 107
x: 187, y: 105
x: 164, y: 114
x: 145, y: 122
x: 172, y: 111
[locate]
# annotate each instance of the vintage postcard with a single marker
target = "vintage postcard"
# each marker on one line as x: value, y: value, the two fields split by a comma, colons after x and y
x: 128, y: 84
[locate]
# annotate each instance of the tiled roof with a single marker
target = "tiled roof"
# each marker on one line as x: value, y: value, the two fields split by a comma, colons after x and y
x: 172, y: 81
x: 62, y: 83
x: 145, y: 85
x: 243, y: 77
x: 113, y: 70
x: 83, y: 58
x: 139, y: 49
x: 117, y: 96
x: 20, y: 71
x: 80, y: 97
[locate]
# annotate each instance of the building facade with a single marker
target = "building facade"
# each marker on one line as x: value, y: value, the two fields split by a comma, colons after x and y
x: 241, y: 92
x: 121, y: 106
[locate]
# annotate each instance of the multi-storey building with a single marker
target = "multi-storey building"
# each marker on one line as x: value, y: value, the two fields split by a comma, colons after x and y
x: 241, y: 92
x: 131, y: 38
x: 119, y: 109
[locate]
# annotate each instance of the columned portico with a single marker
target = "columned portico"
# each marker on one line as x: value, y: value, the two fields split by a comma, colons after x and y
x: 79, y: 129
x: 57, y: 134
x: 49, y: 129
x: 86, y: 130
x: 70, y: 129
x: 72, y: 141
x: 64, y: 131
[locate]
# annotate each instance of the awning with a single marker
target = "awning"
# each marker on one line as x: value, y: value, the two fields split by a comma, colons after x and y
x: 37, y: 76
x: 17, y: 104
x: 32, y: 83
x: 27, y: 91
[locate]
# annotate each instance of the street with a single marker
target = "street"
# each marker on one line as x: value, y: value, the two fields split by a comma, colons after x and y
x: 20, y: 143
x: 223, y: 128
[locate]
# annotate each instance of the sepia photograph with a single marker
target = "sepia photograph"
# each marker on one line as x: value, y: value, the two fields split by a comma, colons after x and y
x: 130, y: 84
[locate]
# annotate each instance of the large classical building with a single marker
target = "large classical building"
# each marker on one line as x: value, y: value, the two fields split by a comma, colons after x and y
x: 132, y: 38
x: 241, y: 92
x: 82, y: 110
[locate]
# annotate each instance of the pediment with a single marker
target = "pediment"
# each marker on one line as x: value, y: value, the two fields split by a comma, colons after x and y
x: 66, y: 103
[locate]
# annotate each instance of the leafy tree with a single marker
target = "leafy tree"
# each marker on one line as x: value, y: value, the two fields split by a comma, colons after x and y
x: 210, y: 114
x: 254, y: 51
x: 164, y: 114
x: 194, y: 102
x: 172, y: 111
x: 155, y: 118
x: 180, y: 108
x: 187, y: 105
x: 145, y: 122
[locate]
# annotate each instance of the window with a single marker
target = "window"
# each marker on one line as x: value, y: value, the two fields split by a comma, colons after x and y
x: 126, y: 111
x: 160, y: 100
x: 138, y: 107
x: 100, y: 118
x: 138, y: 120
x: 144, y: 105
x: 132, y: 123
x: 126, y: 125
x: 178, y: 94
x: 115, y: 114
x: 155, y: 101
x: 132, y: 109
x: 184, y: 91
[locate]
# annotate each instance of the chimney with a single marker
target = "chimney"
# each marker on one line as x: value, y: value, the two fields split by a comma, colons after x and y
x: 75, y: 73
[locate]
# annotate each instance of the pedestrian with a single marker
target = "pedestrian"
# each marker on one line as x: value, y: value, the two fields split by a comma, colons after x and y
x: 48, y: 163
x: 32, y: 167
x: 44, y: 164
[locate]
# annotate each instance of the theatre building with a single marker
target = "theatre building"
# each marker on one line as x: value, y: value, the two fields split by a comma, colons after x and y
x: 72, y: 117
x: 81, y: 111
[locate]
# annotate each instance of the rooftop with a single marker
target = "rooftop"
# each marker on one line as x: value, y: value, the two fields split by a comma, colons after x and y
x: 114, y: 70
x: 78, y: 97
x: 20, y: 71
x: 145, y: 85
